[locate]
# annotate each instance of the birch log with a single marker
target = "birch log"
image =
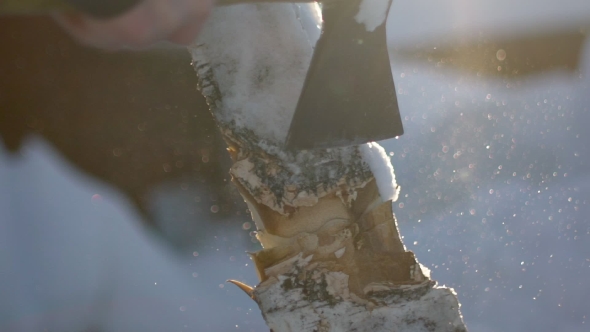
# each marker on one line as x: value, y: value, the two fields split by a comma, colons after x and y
x: 332, y: 258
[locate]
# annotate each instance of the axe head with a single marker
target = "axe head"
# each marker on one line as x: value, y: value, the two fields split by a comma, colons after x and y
x: 348, y: 96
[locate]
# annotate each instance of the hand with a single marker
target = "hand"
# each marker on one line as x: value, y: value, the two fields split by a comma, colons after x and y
x: 178, y: 21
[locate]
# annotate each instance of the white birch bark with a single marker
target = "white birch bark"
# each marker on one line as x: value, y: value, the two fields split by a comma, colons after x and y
x: 332, y: 257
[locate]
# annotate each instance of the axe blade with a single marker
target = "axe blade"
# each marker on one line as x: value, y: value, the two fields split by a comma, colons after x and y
x: 348, y: 96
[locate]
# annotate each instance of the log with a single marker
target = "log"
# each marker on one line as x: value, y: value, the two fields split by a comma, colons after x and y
x: 332, y: 257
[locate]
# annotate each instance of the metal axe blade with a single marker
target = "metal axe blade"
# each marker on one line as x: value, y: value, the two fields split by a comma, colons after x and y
x: 348, y: 96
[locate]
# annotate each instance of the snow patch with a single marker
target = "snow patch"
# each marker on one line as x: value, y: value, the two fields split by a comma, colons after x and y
x: 372, y: 13
x: 263, y: 52
x: 374, y: 155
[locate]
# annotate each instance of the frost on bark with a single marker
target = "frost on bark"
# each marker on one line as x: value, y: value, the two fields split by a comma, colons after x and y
x: 332, y: 258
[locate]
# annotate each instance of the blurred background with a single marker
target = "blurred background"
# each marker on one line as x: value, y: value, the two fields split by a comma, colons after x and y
x: 494, y: 167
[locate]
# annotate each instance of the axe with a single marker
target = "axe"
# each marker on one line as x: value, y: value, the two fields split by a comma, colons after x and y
x: 348, y: 96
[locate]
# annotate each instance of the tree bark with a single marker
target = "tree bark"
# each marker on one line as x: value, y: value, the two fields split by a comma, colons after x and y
x: 332, y: 257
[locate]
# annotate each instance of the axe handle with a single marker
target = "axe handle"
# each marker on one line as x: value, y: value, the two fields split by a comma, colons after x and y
x: 27, y: 7
x: 96, y: 8
x: 238, y: 2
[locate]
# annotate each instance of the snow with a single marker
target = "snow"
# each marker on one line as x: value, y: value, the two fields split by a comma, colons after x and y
x: 376, y: 157
x: 263, y: 52
x: 372, y: 13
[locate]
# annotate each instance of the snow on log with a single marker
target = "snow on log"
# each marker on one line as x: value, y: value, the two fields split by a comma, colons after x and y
x: 332, y: 257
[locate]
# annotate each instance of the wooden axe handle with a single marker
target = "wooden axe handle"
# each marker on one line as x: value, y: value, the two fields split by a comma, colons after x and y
x: 96, y: 8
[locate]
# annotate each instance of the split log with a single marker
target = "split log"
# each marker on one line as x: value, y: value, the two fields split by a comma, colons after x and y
x: 332, y: 257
